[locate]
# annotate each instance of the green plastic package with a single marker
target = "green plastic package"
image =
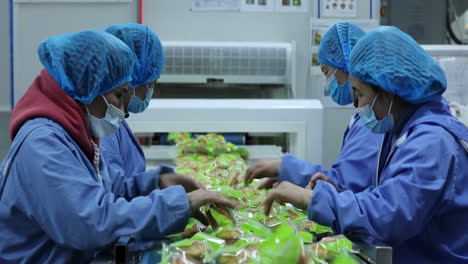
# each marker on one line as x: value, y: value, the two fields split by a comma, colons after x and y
x: 283, y: 246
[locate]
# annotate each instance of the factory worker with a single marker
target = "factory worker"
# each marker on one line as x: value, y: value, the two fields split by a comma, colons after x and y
x: 56, y: 203
x: 121, y: 150
x: 356, y: 163
x: 418, y: 202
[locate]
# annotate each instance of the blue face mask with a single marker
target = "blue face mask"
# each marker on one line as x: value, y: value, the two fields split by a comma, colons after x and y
x: 341, y: 94
x: 370, y: 121
x: 136, y: 105
x: 103, y: 127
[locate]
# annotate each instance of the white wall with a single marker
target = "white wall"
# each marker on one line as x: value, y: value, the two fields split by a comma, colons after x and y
x: 34, y: 22
x: 4, y: 135
x: 173, y: 21
x: 4, y: 78
x: 4, y: 56
x: 335, y: 121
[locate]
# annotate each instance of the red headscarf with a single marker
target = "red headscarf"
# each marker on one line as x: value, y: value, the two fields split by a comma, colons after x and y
x: 45, y: 98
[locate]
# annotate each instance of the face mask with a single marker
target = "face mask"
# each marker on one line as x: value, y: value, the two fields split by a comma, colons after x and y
x: 136, y: 105
x: 377, y: 126
x: 341, y: 94
x: 103, y: 127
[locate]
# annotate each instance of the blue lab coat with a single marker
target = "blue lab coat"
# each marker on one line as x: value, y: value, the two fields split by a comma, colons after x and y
x: 55, y: 209
x: 127, y: 164
x: 418, y: 201
x: 352, y: 170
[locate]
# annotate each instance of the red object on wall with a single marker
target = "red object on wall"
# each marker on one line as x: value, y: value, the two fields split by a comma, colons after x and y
x: 140, y: 13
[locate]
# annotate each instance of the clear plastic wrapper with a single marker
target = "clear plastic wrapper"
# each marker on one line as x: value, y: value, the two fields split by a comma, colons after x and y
x: 220, y: 216
x: 244, y: 235
x: 336, y: 250
x: 256, y: 229
x: 283, y: 246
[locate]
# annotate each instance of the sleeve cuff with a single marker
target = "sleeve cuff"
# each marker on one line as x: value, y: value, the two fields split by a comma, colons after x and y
x: 182, y: 205
x: 320, y: 207
x: 283, y: 171
x: 161, y: 170
x: 172, y: 210
x: 295, y: 170
x: 180, y: 208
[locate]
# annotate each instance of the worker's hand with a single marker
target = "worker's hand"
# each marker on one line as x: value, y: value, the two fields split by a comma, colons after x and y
x: 171, y: 179
x: 202, y: 197
x: 262, y: 169
x: 287, y: 192
x: 319, y: 177
x: 268, y: 183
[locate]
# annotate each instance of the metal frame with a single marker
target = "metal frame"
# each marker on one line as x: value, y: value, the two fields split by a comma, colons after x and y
x: 374, y: 254
x: 301, y: 119
x: 446, y: 50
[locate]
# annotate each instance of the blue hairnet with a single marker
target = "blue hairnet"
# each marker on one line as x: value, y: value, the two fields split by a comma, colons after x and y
x: 390, y: 59
x: 337, y: 43
x: 147, y: 48
x: 87, y: 64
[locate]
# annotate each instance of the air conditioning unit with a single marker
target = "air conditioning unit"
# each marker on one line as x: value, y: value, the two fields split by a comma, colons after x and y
x: 236, y: 69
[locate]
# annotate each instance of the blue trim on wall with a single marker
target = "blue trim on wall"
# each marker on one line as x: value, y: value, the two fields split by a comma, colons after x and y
x: 12, y: 57
x: 318, y: 9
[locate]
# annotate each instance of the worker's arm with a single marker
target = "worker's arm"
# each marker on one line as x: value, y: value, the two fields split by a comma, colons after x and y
x: 140, y: 181
x: 297, y: 171
x: 415, y: 186
x: 64, y: 196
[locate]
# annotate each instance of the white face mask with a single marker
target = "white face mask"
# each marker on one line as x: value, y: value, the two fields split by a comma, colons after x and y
x: 103, y: 127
